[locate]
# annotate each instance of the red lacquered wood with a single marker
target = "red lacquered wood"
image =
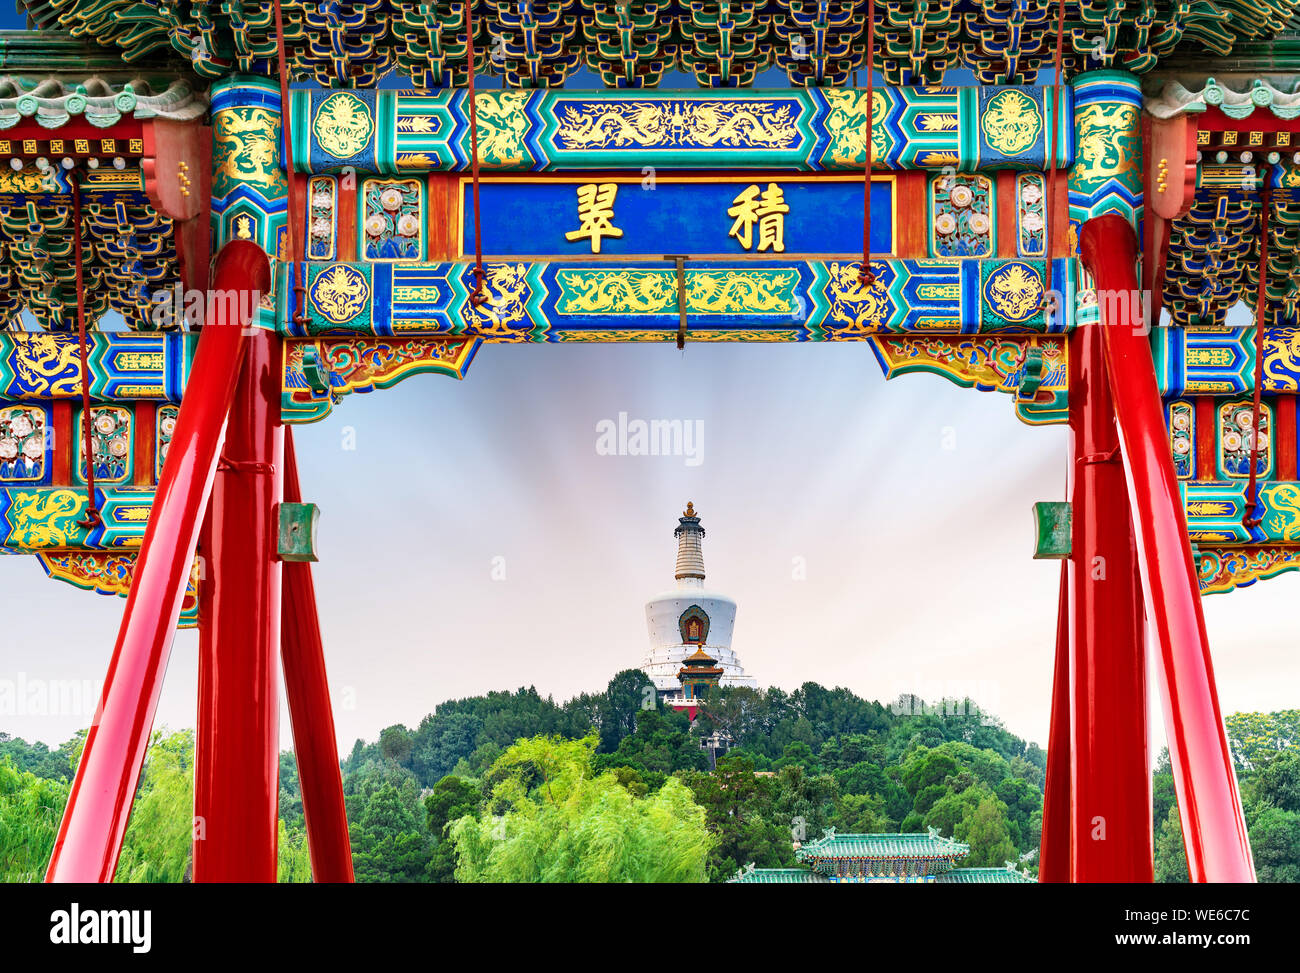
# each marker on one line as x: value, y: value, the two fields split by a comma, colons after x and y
x: 1111, y: 838
x: 1008, y: 244
x: 1285, y: 437
x: 911, y: 234
x: 99, y: 805
x: 146, y: 422
x: 236, y: 766
x: 1206, y: 447
x: 306, y: 688
x: 1054, y: 847
x: 1214, y: 828
x: 61, y: 414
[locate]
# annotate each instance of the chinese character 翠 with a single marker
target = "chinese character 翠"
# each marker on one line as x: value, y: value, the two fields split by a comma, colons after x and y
x: 596, y: 211
x: 767, y: 210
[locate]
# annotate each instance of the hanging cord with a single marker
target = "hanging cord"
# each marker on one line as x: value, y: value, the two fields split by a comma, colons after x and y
x: 478, y: 297
x: 92, y: 518
x: 286, y: 130
x: 1249, y: 520
x: 865, y: 277
x: 1049, y: 207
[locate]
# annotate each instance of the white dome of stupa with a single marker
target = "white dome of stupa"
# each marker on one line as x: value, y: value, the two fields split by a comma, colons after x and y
x: 689, y: 617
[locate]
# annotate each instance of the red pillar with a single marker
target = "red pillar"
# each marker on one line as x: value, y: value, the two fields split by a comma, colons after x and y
x: 99, y: 805
x: 308, y: 693
x: 1054, y: 848
x: 1214, y: 828
x: 236, y: 768
x: 1109, y: 771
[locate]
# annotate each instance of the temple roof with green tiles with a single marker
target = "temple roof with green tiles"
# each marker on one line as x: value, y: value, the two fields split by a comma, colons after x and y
x: 914, y: 857
x: 634, y: 43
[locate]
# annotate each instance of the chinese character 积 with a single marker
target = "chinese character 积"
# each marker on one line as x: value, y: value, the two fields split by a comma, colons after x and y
x: 767, y: 210
x: 596, y: 211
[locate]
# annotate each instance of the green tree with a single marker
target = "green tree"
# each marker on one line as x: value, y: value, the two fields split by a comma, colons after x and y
x: 388, y: 844
x: 160, y: 838
x: 30, y: 809
x: 926, y: 768
x: 1171, y: 857
x: 629, y: 695
x: 560, y: 821
x: 987, y: 834
x: 293, y: 862
x: 1162, y: 789
x: 1275, y: 842
x: 742, y: 815
x: 1278, y: 781
x: 1255, y: 737
x: 451, y: 799
x: 397, y: 744
x: 861, y: 814
x: 662, y: 743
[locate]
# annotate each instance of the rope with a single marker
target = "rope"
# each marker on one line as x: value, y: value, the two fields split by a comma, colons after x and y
x: 865, y: 277
x: 1249, y: 520
x: 92, y: 518
x: 286, y: 129
x: 1050, y: 206
x: 478, y: 297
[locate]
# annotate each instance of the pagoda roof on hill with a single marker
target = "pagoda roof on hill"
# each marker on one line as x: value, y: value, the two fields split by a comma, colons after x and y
x: 777, y: 876
x: 1007, y: 875
x: 917, y: 845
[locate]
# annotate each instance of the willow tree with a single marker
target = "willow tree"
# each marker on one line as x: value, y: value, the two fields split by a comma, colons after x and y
x: 551, y: 818
x: 30, y: 809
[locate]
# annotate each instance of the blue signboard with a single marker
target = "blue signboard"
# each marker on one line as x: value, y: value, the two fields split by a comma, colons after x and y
x: 696, y: 216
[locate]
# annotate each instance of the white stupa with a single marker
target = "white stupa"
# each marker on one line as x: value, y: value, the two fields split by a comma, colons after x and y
x: 689, y: 617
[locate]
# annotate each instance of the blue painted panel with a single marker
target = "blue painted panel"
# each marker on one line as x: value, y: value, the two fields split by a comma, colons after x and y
x: 531, y: 218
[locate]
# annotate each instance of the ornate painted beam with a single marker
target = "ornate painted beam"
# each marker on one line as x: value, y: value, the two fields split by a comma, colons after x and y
x: 44, y: 366
x: 756, y: 300
x: 404, y: 133
x: 111, y: 574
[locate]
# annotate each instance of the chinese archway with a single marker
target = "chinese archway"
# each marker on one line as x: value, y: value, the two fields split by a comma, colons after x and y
x: 285, y: 204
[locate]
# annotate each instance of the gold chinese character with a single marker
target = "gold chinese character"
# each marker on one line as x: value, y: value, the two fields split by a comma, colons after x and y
x: 767, y: 210
x: 596, y: 211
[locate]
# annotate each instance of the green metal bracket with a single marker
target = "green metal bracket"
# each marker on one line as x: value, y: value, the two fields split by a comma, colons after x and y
x: 315, y: 370
x: 1032, y: 375
x: 298, y: 531
x: 1052, y: 520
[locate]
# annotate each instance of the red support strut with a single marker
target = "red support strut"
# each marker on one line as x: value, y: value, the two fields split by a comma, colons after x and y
x: 236, y: 770
x: 1214, y: 828
x: 99, y: 805
x: 1110, y: 774
x: 1054, y: 848
x: 308, y: 693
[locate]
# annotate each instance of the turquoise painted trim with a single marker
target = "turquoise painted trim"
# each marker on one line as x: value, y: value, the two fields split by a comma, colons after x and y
x: 557, y: 129
x: 637, y: 300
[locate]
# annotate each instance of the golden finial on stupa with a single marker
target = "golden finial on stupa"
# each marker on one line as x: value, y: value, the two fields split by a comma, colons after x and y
x: 690, y: 509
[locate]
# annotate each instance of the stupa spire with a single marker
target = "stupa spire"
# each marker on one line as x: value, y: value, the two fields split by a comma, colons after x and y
x: 690, y: 550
